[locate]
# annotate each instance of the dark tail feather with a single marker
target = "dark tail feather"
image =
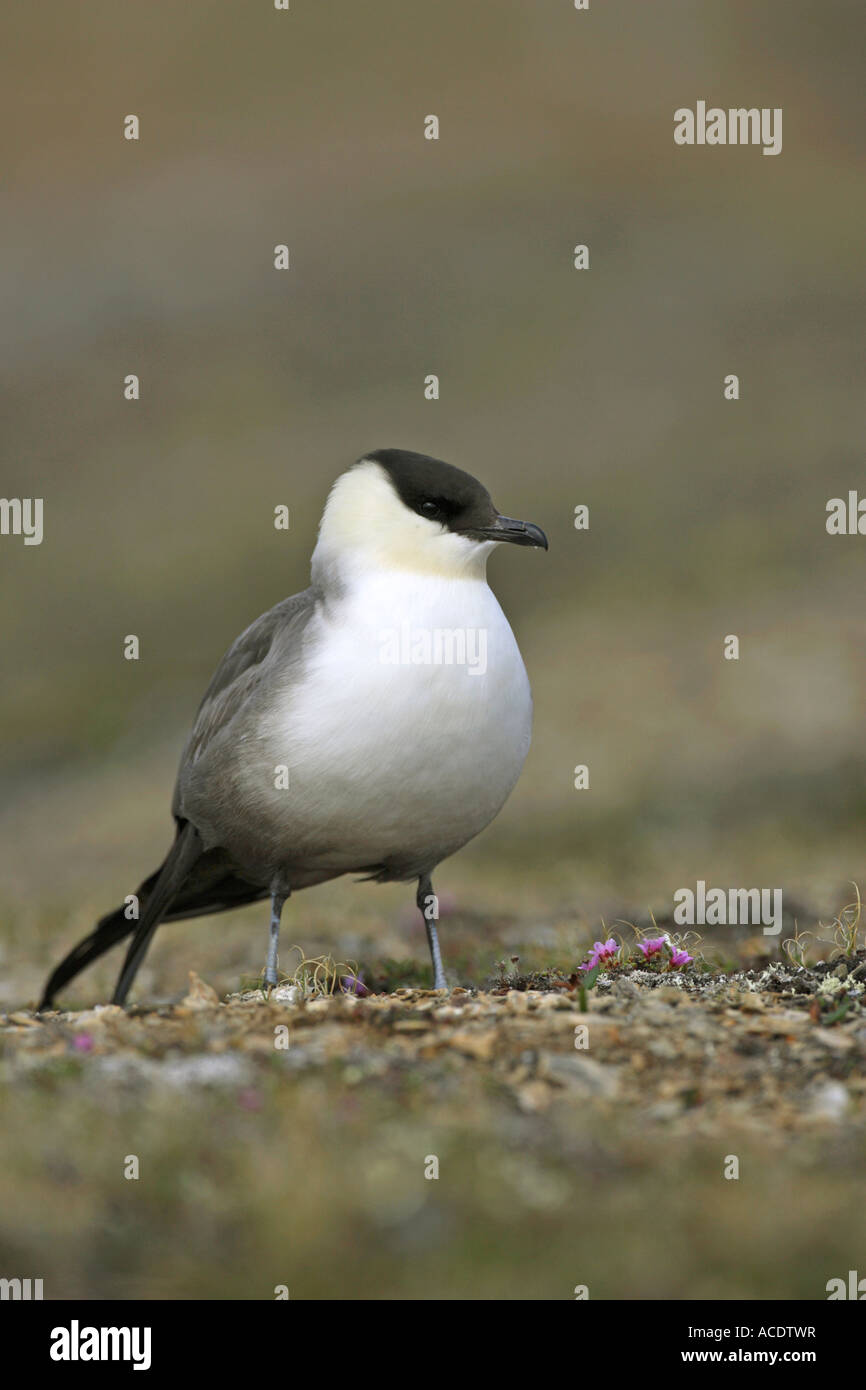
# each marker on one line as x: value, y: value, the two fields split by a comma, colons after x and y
x: 184, y: 853
x: 107, y: 932
x: 157, y: 894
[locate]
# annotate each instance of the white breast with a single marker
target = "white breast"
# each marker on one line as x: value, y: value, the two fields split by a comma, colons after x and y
x: 409, y: 726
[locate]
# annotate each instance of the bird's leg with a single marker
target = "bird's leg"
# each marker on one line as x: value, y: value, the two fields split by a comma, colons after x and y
x: 277, y: 900
x: 428, y: 907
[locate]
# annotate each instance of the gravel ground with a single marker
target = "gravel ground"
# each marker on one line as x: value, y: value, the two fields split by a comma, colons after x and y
x: 679, y: 1049
x: 513, y: 1142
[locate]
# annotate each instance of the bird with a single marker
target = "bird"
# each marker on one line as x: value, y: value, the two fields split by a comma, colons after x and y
x: 371, y: 725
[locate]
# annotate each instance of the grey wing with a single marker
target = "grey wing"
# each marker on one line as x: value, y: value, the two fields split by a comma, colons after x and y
x: 241, y: 670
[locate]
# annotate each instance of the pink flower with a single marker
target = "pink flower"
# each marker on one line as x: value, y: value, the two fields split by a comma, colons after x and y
x: 680, y: 958
x: 353, y: 984
x: 82, y: 1042
x: 601, y: 952
x: 651, y: 947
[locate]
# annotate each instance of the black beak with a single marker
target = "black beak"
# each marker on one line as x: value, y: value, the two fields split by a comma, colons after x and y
x: 505, y: 528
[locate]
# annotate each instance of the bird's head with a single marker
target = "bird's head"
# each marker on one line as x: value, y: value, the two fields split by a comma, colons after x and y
x: 398, y: 510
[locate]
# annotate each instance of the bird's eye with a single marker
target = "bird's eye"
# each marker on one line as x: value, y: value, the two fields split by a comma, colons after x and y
x: 431, y: 509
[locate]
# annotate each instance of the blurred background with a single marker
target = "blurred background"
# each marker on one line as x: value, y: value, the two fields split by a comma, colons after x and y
x: 558, y: 387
